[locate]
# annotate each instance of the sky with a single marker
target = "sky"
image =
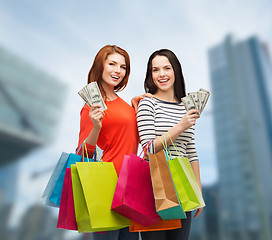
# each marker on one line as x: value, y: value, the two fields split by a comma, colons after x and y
x: 62, y: 38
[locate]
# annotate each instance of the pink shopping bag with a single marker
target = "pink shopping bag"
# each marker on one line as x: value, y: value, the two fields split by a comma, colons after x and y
x: 133, y: 197
x: 66, y: 218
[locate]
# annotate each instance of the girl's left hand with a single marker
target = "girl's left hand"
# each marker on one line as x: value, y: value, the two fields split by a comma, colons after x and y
x: 135, y: 101
x: 198, y: 211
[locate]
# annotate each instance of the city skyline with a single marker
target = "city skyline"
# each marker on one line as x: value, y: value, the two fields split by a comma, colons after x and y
x: 62, y: 38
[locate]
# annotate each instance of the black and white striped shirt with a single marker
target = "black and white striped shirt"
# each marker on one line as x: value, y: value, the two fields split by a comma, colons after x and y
x: 155, y: 117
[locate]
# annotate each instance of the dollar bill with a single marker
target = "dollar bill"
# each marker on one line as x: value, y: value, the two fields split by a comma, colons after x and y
x: 196, y: 100
x: 188, y: 103
x: 203, y: 98
x: 92, y: 95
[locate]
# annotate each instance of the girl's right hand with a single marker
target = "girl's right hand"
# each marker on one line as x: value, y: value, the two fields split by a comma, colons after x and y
x: 189, y: 119
x: 96, y: 115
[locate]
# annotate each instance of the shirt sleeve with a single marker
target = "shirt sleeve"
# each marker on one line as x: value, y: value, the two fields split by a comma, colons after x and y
x: 145, y: 121
x: 191, y: 151
x: 86, y: 126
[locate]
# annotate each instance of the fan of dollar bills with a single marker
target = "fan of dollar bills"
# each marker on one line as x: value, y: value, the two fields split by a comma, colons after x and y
x: 196, y: 100
x: 92, y: 95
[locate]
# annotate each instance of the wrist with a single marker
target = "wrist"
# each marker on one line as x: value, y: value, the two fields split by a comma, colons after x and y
x: 180, y: 128
x: 96, y: 129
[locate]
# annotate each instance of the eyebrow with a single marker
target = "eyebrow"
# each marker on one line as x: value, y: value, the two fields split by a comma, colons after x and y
x: 168, y: 65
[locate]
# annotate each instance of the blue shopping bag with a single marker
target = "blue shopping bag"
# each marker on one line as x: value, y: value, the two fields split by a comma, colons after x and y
x: 54, y: 178
x: 54, y: 187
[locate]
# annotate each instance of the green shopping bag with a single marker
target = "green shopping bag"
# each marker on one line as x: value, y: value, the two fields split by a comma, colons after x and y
x: 98, y: 181
x: 185, y: 181
x: 81, y: 211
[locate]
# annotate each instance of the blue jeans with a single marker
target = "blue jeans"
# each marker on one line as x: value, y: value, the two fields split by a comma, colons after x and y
x: 121, y: 234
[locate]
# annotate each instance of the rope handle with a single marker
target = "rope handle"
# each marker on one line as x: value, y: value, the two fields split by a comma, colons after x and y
x: 165, y: 148
x: 175, y: 146
x: 84, y: 148
x: 96, y: 152
x: 145, y: 149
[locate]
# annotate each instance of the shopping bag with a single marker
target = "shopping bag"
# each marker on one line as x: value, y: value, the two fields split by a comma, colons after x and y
x: 66, y: 218
x: 81, y: 211
x: 98, y: 181
x: 161, y: 225
x: 185, y: 181
x: 54, y: 190
x: 54, y: 178
x: 186, y: 184
x: 167, y: 202
x: 133, y: 196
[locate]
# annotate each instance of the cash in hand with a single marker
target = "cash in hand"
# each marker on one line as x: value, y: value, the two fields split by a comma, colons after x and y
x: 92, y: 95
x: 196, y: 100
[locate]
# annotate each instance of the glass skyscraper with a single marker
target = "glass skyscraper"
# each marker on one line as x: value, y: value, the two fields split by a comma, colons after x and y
x: 30, y: 106
x: 241, y: 77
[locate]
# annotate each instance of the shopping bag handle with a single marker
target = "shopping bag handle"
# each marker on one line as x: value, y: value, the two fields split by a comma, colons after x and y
x: 145, y: 149
x: 84, y: 148
x: 82, y: 152
x: 96, y: 152
x: 165, y: 148
x: 175, y: 146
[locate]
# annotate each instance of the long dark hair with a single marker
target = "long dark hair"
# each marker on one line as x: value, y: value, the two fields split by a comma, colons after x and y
x: 96, y: 71
x: 179, y: 85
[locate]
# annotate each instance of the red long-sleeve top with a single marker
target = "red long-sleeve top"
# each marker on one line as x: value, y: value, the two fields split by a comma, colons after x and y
x: 118, y: 135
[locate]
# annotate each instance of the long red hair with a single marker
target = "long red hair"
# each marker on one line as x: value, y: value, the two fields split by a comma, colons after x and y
x: 96, y: 71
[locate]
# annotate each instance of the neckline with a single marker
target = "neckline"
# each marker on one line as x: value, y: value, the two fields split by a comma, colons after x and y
x: 110, y: 101
x: 166, y: 101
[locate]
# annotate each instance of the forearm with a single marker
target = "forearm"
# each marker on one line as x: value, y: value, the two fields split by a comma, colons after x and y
x: 93, y: 136
x: 172, y: 134
x: 195, y: 167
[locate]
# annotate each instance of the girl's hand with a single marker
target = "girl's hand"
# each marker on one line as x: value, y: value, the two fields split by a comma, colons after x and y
x: 189, y: 119
x: 197, y: 213
x: 96, y: 115
x: 135, y: 101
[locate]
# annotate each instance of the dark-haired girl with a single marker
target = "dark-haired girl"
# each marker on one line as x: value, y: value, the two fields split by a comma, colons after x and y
x: 164, y: 117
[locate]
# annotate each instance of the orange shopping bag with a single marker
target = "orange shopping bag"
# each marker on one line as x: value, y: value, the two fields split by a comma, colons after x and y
x: 161, y: 225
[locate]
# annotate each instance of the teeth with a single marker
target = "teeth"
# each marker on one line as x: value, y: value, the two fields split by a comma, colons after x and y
x: 115, y: 77
x: 162, y: 81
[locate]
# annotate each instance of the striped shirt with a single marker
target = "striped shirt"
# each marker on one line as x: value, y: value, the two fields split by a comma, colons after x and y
x: 155, y: 117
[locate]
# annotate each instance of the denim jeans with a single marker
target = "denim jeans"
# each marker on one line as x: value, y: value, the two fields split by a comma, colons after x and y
x: 121, y: 234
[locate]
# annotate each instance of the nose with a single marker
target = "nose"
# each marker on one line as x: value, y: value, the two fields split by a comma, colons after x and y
x: 162, y: 73
x: 117, y: 69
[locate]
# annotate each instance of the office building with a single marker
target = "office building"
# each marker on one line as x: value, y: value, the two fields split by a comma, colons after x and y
x: 241, y: 76
x: 30, y: 104
x: 30, y: 107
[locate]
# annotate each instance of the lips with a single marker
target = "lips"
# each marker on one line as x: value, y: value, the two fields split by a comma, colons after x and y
x: 115, y: 77
x: 165, y: 80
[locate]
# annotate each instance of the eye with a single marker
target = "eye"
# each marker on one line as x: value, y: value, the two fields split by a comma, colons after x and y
x: 111, y: 64
x: 155, y: 70
x: 124, y: 67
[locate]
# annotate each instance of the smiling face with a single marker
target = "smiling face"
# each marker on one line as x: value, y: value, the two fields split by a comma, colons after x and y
x: 114, y: 70
x: 163, y: 74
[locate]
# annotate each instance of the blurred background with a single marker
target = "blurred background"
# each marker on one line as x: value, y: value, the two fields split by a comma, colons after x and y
x: 46, y: 51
